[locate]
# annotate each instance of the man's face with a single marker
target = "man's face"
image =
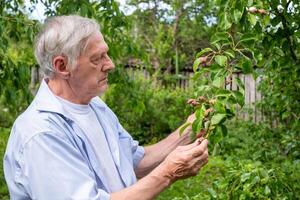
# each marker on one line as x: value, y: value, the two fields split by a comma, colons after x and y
x: 89, y: 79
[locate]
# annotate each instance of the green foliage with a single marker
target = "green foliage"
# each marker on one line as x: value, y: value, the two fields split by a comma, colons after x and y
x: 251, y: 164
x: 147, y: 111
x: 218, y: 38
x: 16, y: 59
x: 4, y: 133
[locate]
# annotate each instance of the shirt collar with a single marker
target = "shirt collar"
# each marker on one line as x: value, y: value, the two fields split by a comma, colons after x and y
x: 46, y: 101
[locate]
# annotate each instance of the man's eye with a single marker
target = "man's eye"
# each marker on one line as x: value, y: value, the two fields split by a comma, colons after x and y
x: 96, y: 60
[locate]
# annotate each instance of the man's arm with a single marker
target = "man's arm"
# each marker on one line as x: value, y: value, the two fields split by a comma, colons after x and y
x: 156, y: 153
x: 183, y: 162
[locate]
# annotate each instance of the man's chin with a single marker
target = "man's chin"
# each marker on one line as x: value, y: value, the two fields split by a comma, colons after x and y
x: 102, y: 90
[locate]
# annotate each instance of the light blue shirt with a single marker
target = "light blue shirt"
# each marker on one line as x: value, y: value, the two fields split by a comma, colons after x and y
x: 48, y: 155
x: 86, y: 117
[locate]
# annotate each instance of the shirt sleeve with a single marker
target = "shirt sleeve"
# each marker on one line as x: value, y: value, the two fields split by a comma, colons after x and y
x: 54, y: 169
x: 138, y: 151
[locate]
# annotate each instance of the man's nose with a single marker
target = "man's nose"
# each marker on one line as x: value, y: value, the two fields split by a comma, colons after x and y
x: 109, y: 65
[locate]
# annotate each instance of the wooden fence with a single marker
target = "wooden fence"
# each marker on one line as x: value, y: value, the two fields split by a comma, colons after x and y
x: 252, y: 95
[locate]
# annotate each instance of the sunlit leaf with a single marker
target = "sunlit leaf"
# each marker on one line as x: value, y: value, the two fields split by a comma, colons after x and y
x: 203, y: 51
x: 221, y: 60
x: 183, y: 127
x: 217, y: 118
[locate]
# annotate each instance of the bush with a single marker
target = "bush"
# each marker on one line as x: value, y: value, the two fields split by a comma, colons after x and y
x: 4, y: 133
x: 252, y: 163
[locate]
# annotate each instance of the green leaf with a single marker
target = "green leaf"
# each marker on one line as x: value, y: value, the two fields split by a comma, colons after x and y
x: 183, y: 127
x: 237, y: 15
x: 218, y: 82
x: 217, y: 45
x: 247, y: 67
x: 245, y: 177
x: 224, y: 130
x: 250, y: 2
x: 223, y: 93
x: 248, y: 37
x: 200, y: 112
x: 239, y: 97
x: 203, y: 51
x: 255, y: 180
x: 212, y: 193
x: 221, y: 60
x: 224, y: 21
x: 217, y: 149
x: 267, y: 190
x: 217, y: 135
x: 229, y: 53
x: 219, y: 107
x: 266, y: 20
x: 220, y: 36
x: 240, y: 84
x: 197, y: 125
x: 196, y: 64
x: 252, y: 19
x: 217, y: 118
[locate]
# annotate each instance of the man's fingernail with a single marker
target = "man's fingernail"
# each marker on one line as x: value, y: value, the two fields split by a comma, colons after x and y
x: 198, y: 141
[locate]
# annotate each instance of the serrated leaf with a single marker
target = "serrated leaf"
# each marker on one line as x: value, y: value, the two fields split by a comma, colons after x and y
x: 203, y: 51
x: 217, y: 118
x: 183, y: 127
x: 221, y: 60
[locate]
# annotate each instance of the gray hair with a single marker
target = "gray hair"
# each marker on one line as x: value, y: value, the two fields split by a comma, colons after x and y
x: 63, y: 35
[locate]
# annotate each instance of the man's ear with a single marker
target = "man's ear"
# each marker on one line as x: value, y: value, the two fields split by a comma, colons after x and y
x: 60, y: 64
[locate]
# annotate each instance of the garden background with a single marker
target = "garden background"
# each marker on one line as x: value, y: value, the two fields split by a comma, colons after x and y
x: 159, y: 48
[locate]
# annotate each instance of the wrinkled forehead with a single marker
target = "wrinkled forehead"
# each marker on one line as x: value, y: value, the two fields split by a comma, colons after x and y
x: 95, y: 44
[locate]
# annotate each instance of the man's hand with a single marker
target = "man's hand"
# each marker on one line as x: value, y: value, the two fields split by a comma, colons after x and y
x: 185, y: 161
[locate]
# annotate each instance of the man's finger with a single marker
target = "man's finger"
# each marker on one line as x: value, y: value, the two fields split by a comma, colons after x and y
x: 198, y: 150
x: 191, y: 146
x: 200, y: 134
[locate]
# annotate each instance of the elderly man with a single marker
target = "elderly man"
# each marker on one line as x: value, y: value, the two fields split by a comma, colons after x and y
x: 69, y: 145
